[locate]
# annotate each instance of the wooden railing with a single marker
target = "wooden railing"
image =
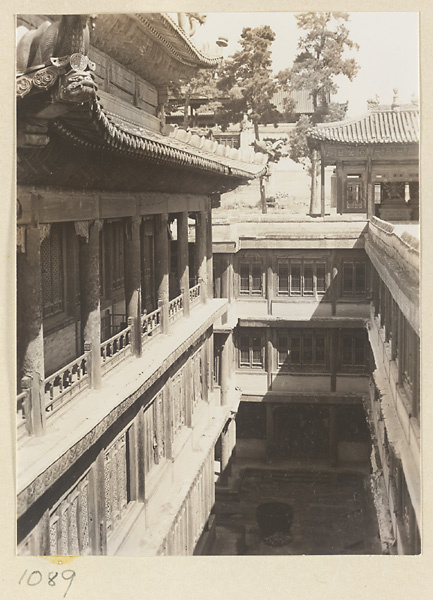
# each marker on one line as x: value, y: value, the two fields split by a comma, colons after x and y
x: 175, y: 308
x: 116, y: 349
x: 150, y: 325
x: 194, y: 294
x: 76, y: 376
x: 65, y: 383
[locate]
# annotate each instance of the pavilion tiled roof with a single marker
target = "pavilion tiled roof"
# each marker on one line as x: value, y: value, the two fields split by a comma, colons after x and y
x: 383, y: 125
x: 99, y: 129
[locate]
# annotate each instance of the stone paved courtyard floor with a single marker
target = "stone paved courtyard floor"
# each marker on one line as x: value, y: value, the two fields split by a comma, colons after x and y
x: 333, y: 510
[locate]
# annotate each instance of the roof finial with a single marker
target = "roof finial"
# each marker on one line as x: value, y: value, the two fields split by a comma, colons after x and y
x: 395, y: 99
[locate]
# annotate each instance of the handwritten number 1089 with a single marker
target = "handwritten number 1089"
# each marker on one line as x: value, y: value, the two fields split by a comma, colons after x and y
x: 36, y: 577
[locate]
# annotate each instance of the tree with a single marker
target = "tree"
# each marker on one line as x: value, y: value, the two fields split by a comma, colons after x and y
x: 320, y: 60
x: 246, y: 79
x: 203, y: 85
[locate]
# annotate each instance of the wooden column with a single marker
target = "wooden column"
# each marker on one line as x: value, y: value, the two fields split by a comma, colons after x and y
x: 162, y: 268
x: 269, y: 282
x: 225, y: 454
x: 230, y: 276
x: 333, y: 357
x: 201, y: 251
x: 133, y: 280
x: 370, y: 194
x: 400, y: 346
x: 97, y: 516
x: 322, y: 187
x: 30, y: 313
x: 225, y: 368
x: 339, y: 173
x: 209, y: 253
x: 210, y: 343
x: 335, y: 283
x: 269, y: 356
x: 168, y: 421
x: 333, y: 441
x: 269, y: 431
x: 139, y: 440
x: 225, y: 275
x: 182, y: 246
x: 90, y: 299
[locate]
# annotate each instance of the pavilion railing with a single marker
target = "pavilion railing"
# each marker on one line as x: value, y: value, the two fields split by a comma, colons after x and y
x: 175, y: 308
x: 194, y: 295
x: 150, y: 325
x: 65, y: 383
x: 116, y: 349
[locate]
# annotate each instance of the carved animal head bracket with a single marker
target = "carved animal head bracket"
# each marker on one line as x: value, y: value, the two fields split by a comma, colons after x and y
x: 75, y: 73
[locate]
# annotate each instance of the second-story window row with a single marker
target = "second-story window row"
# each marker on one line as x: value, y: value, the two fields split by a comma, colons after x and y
x: 301, y: 278
x: 297, y: 350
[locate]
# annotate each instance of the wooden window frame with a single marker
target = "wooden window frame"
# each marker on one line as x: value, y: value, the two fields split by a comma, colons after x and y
x: 251, y: 264
x: 302, y: 263
x: 61, y: 305
x: 250, y: 363
x: 353, y: 265
x: 352, y: 365
x: 303, y: 364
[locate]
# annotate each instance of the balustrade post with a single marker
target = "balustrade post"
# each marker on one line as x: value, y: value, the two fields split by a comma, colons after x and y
x: 26, y: 386
x: 165, y: 319
x: 88, y: 358
x: 134, y: 337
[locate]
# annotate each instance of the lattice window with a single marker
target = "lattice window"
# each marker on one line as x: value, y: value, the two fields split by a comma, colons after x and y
x: 354, y: 350
x: 302, y: 350
x: 251, y: 350
x: 52, y: 257
x: 251, y: 277
x: 354, y: 278
x: 116, y: 482
x: 301, y: 278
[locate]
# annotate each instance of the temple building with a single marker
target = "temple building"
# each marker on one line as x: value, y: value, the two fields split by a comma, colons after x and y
x: 376, y: 160
x: 117, y: 415
x: 166, y: 342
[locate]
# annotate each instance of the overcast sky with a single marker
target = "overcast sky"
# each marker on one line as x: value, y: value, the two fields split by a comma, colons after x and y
x: 388, y: 53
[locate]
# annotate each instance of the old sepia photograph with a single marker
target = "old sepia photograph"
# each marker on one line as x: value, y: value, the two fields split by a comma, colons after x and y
x: 217, y: 301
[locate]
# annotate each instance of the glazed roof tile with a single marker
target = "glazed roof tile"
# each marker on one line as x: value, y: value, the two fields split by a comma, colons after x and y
x: 179, y: 147
x: 398, y: 125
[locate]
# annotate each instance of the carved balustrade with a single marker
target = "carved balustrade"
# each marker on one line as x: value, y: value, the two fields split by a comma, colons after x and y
x: 194, y: 295
x: 116, y: 349
x: 65, y: 383
x: 175, y: 308
x: 150, y: 325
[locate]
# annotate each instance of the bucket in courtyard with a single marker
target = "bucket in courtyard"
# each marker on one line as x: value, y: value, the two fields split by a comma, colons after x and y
x: 274, y: 517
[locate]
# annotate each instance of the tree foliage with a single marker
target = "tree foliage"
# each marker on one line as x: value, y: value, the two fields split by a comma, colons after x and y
x: 320, y: 60
x: 246, y: 79
x: 203, y: 85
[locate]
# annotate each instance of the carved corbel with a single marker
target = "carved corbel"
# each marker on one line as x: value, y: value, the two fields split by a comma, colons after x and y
x: 44, y: 231
x: 82, y: 228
